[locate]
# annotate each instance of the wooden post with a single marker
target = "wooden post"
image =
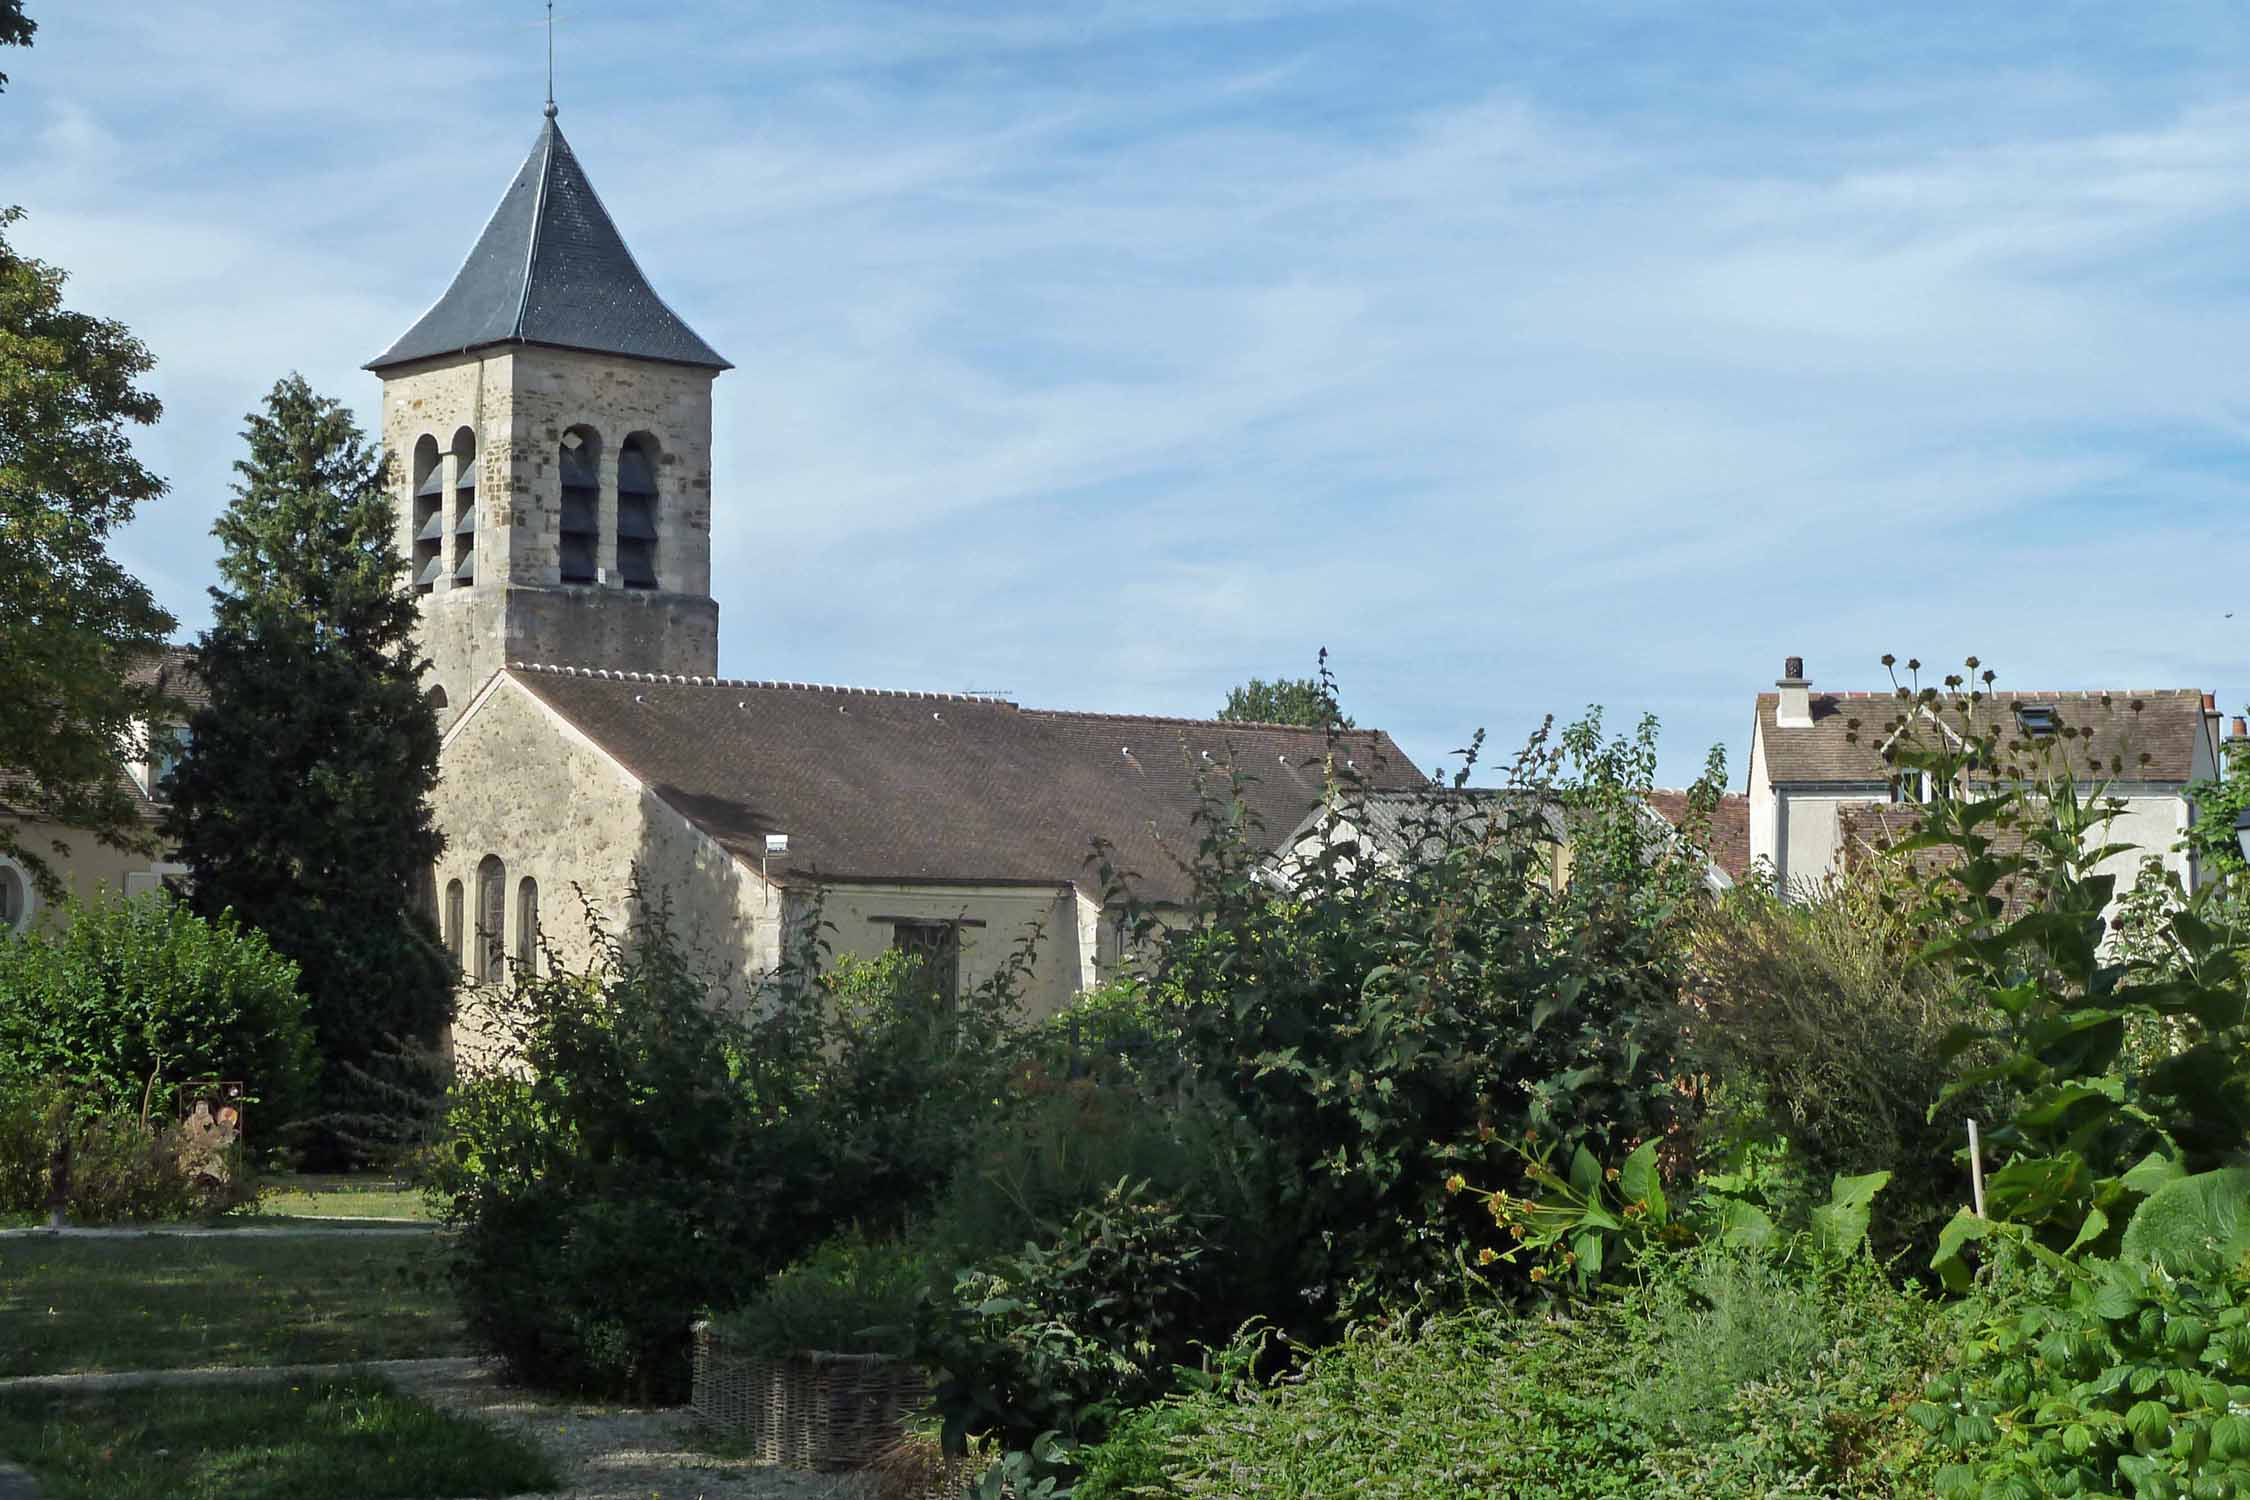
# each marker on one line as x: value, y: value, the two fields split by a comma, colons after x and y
x: 1976, y: 1168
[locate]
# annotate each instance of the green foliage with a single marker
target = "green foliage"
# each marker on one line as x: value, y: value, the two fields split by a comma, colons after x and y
x: 2218, y: 803
x: 1029, y: 1169
x: 1041, y: 1350
x: 353, y: 1438
x: 121, y: 1168
x: 1285, y: 700
x: 1382, y: 1024
x: 644, y: 1144
x: 1717, y: 1372
x: 2194, y: 1226
x: 852, y: 1295
x: 2118, y: 1379
x: 134, y: 997
x: 78, y: 627
x: 302, y: 801
x: 2006, y: 885
x: 15, y: 29
x: 1817, y: 1030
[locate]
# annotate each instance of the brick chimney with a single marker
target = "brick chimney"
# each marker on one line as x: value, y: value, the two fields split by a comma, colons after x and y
x: 1795, y: 711
x: 2239, y: 729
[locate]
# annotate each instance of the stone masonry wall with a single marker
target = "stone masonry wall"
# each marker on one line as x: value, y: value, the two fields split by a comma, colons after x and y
x: 518, y: 784
x: 508, y: 410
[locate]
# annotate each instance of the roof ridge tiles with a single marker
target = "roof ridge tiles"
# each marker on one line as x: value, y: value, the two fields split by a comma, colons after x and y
x: 1114, y: 718
x: 676, y: 679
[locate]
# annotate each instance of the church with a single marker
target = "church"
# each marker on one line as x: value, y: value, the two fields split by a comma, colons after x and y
x: 550, y: 423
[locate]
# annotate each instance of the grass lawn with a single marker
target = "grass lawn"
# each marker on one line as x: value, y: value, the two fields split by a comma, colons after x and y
x: 307, y: 1195
x: 352, y: 1439
x: 68, y: 1306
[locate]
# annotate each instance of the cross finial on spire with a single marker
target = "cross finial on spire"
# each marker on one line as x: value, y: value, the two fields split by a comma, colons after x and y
x: 550, y: 59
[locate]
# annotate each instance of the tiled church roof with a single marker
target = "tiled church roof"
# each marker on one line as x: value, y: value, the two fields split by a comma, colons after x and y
x: 942, y: 788
x: 550, y: 268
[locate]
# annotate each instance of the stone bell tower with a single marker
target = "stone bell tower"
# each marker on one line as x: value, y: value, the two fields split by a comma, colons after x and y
x: 549, y: 420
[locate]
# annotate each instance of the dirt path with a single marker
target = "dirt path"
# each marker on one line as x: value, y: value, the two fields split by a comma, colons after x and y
x: 623, y: 1453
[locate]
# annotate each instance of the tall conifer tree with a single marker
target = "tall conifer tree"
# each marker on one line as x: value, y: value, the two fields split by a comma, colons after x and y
x: 303, y: 798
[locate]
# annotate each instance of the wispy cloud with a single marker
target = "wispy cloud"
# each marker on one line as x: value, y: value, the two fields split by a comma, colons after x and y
x: 1114, y: 353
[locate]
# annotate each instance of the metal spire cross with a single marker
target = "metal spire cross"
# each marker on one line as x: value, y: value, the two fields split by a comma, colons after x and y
x: 550, y: 59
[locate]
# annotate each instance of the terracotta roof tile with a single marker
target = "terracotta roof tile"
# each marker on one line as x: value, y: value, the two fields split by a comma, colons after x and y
x: 1730, y: 827
x: 1848, y: 730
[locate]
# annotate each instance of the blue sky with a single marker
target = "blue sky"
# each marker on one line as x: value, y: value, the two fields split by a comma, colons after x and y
x: 1525, y: 355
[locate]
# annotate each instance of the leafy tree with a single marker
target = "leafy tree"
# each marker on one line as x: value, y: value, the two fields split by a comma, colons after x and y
x: 15, y: 29
x: 1285, y: 700
x: 76, y: 624
x: 2217, y: 803
x: 303, y: 799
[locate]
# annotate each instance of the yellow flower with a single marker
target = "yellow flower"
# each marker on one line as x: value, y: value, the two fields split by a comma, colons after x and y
x: 1455, y: 1183
x: 1610, y: 1175
x: 1487, y: 1256
x: 1538, y: 1273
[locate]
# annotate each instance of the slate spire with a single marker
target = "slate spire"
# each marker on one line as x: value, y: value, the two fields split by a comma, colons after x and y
x: 550, y: 268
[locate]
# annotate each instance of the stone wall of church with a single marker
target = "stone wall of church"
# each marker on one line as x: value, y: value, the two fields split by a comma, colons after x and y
x: 518, y: 784
x: 503, y: 416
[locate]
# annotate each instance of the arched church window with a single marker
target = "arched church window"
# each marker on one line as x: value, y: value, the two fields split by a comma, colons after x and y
x: 490, y: 958
x: 438, y: 699
x: 453, y: 904
x: 465, y: 506
x: 581, y: 465
x: 429, y: 515
x: 636, y: 512
x: 527, y: 924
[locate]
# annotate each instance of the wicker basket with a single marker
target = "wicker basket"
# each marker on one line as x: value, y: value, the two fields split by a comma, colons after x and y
x: 808, y: 1411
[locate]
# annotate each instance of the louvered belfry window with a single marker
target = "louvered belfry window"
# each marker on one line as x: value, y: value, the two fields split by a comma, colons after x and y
x: 581, y: 463
x: 636, y: 513
x: 429, y: 516
x: 465, y: 507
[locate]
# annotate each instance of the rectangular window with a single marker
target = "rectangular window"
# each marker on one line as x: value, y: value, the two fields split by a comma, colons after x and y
x: 166, y: 746
x: 937, y: 946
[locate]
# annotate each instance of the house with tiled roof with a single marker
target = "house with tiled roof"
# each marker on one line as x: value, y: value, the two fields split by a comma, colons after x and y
x: 81, y: 862
x: 555, y: 494
x: 1821, y: 788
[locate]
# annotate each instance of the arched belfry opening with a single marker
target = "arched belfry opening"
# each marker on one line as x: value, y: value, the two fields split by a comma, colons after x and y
x: 579, y: 459
x: 637, y: 511
x: 464, y: 455
x: 429, y: 515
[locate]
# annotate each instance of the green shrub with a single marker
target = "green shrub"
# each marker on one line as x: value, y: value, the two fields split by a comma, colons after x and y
x: 1758, y: 1374
x: 1027, y: 1172
x: 1817, y: 1029
x: 1382, y: 1023
x: 1041, y: 1350
x: 645, y: 1144
x: 2111, y: 1378
x: 121, y: 1169
x: 852, y: 1295
x: 133, y: 997
x: 1667, y: 1387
